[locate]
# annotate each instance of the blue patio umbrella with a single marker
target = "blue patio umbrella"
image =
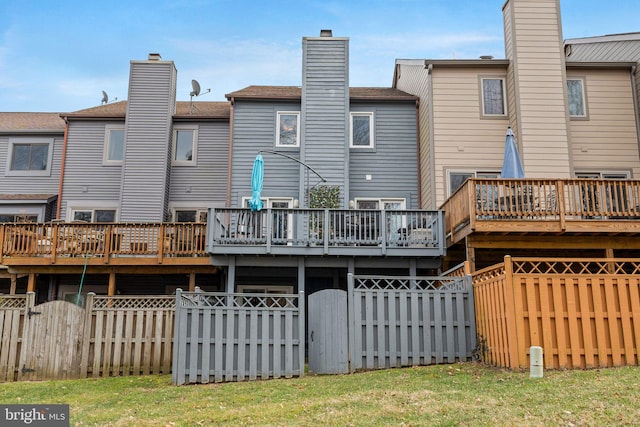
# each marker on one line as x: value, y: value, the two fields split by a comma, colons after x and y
x: 511, y: 165
x: 257, y: 176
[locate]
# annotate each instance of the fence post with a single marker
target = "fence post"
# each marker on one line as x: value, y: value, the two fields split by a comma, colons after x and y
x: 510, y: 305
x: 351, y: 326
x: 86, y: 339
x: 178, y: 378
x: 26, y: 331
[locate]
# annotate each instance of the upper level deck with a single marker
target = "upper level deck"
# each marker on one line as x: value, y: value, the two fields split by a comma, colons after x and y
x: 326, y: 232
x: 543, y: 207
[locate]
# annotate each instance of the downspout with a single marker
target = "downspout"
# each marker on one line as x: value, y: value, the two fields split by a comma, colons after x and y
x: 64, y: 157
x: 418, y: 158
x: 636, y: 107
x: 232, y: 101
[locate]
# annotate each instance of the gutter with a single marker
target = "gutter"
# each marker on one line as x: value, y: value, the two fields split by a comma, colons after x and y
x: 229, y: 167
x: 64, y: 157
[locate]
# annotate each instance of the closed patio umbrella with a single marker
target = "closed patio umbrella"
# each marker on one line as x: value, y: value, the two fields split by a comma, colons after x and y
x: 257, y: 176
x: 511, y: 165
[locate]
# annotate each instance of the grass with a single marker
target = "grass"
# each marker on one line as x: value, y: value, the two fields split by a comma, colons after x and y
x: 465, y: 394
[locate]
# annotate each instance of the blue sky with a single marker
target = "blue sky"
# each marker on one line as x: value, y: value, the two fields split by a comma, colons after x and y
x: 59, y: 56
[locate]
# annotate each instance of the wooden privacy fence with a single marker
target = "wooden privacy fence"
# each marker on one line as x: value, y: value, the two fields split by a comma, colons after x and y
x: 405, y: 321
x: 112, y: 336
x: 583, y: 313
x: 233, y: 337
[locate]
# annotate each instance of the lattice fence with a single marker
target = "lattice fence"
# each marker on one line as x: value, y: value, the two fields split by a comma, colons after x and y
x: 404, y: 321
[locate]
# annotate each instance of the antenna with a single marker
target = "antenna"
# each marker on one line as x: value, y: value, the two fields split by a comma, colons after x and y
x: 195, y: 92
x: 105, y: 98
x: 196, y: 88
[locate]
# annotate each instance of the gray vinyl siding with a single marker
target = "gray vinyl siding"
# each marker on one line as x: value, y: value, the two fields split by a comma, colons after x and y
x: 255, y: 130
x: 150, y: 107
x: 84, y: 168
x: 325, y: 106
x: 392, y: 165
x: 31, y: 184
x: 208, y: 179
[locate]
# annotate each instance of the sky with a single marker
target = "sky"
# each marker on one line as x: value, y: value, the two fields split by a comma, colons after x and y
x: 58, y: 56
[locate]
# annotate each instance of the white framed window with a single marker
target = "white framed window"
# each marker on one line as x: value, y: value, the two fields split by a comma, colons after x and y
x: 494, y: 101
x: 455, y: 178
x: 113, y: 145
x: 29, y: 156
x: 288, y: 129
x: 93, y: 215
x: 577, y: 98
x: 361, y: 135
x: 185, y: 145
x: 372, y: 203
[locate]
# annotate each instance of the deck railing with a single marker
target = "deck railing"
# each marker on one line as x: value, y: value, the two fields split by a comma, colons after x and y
x: 558, y: 200
x: 55, y: 240
x: 327, y: 228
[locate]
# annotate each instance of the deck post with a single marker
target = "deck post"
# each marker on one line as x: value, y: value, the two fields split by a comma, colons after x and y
x: 31, y: 284
x: 112, y: 284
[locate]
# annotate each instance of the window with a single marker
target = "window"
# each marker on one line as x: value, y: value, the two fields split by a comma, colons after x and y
x: 361, y: 130
x: 94, y: 215
x: 114, y: 145
x: 288, y: 125
x: 184, y: 146
x: 190, y: 215
x: 457, y: 178
x: 18, y: 218
x: 577, y: 101
x: 30, y: 156
x: 493, y: 97
x: 614, y: 197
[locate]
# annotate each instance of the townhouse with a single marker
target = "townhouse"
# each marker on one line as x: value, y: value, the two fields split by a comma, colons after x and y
x: 574, y: 114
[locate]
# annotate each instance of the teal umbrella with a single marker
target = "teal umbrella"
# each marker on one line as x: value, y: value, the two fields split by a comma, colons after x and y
x: 511, y: 165
x: 257, y: 176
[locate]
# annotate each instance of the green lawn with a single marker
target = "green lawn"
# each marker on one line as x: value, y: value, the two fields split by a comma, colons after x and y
x: 461, y: 394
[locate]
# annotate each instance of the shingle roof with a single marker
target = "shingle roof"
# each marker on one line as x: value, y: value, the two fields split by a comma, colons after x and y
x: 295, y: 93
x: 15, y: 122
x: 218, y: 110
x: 27, y: 197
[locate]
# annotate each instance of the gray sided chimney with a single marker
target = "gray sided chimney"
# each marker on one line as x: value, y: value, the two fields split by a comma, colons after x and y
x: 150, y: 108
x: 325, y: 109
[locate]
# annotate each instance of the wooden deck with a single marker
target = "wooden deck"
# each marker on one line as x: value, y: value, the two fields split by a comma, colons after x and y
x: 543, y: 207
x: 327, y: 232
x: 77, y: 244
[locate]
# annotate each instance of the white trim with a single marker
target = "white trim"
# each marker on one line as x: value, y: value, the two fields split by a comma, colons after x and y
x: 83, y: 205
x: 483, y: 112
x: 371, y: 129
x: 107, y: 143
x: 27, y: 140
x: 474, y: 174
x: 194, y: 145
x: 381, y: 201
x: 288, y: 113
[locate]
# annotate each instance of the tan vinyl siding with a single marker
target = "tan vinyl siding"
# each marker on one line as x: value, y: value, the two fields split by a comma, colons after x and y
x: 463, y: 138
x: 415, y: 79
x: 608, y: 139
x: 539, y: 85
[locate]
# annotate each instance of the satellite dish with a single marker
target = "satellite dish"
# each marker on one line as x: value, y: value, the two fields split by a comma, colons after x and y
x: 196, y: 88
x: 105, y: 98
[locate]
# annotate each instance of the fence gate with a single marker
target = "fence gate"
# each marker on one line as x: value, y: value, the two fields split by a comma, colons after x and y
x: 52, y: 343
x: 328, y: 335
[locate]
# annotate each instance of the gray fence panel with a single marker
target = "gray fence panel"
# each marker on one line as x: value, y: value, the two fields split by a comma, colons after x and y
x: 234, y: 337
x: 402, y: 321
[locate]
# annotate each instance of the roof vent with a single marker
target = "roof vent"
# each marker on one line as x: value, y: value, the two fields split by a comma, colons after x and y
x: 326, y: 33
x: 155, y: 57
x: 486, y: 56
